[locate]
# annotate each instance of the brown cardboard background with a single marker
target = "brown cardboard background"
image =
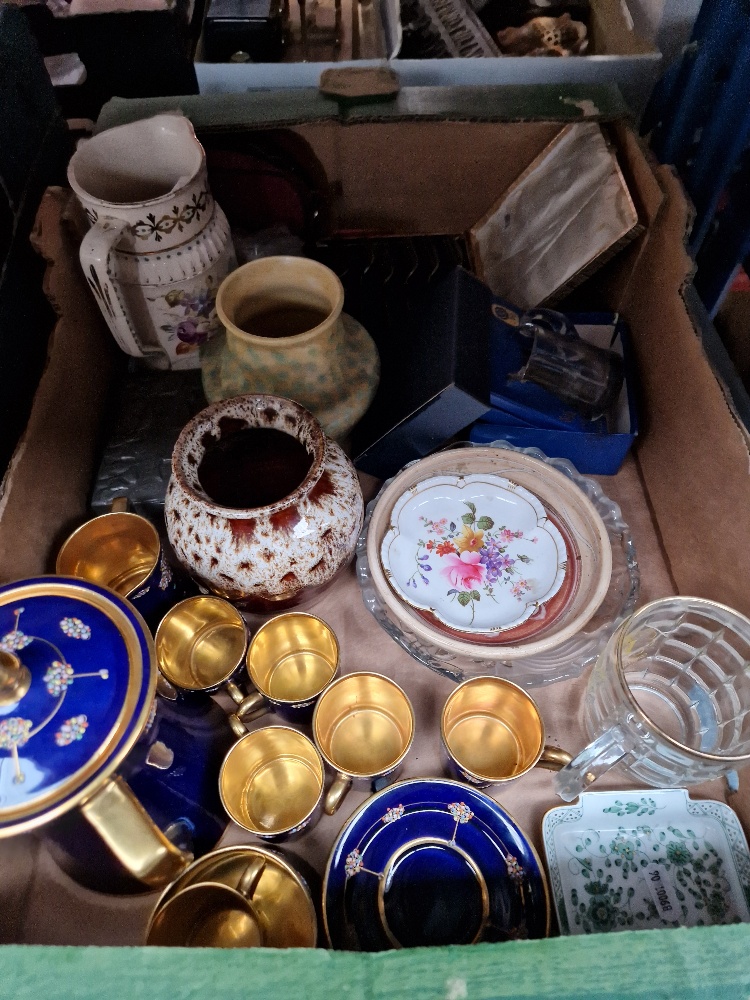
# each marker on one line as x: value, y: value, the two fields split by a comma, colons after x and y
x: 421, y: 177
x: 684, y: 489
x: 47, y: 483
x: 694, y: 457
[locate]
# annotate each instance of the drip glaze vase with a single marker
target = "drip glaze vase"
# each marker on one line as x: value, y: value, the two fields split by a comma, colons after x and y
x: 270, y: 556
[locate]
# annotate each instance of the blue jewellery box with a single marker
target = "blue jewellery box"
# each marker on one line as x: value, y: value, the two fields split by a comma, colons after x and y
x: 526, y: 415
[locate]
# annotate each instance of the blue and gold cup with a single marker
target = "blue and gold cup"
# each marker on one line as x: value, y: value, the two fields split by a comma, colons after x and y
x: 271, y: 783
x: 268, y: 901
x: 200, y: 649
x: 363, y: 726
x: 123, y: 551
x: 211, y: 915
x: 493, y: 732
x: 290, y: 661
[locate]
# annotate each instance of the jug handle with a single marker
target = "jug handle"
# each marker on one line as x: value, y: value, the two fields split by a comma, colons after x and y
x: 603, y: 753
x: 95, y: 253
x: 132, y: 836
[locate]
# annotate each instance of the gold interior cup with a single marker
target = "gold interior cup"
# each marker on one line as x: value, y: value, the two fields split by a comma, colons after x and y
x: 211, y: 915
x: 200, y: 643
x: 117, y: 550
x: 281, y: 899
x: 493, y: 731
x: 293, y: 657
x: 363, y: 726
x: 271, y: 781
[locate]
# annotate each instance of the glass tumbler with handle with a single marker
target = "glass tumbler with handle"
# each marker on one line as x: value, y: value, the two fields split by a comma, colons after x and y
x: 668, y: 698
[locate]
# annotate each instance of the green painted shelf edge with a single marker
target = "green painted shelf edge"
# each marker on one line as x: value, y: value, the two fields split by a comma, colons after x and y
x: 224, y: 112
x: 707, y: 963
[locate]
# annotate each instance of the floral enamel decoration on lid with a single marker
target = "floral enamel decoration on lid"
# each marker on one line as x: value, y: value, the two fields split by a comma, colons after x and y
x: 477, y: 551
x: 77, y: 682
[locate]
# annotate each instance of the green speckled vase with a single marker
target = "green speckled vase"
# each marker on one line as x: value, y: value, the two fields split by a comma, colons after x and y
x: 332, y: 369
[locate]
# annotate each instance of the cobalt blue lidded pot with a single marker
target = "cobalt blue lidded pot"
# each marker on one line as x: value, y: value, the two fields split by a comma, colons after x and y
x: 123, y: 783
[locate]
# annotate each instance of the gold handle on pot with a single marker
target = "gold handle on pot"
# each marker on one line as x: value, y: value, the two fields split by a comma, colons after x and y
x: 132, y: 836
x: 119, y: 505
x: 15, y: 678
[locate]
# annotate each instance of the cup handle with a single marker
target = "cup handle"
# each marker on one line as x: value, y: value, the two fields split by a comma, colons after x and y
x: 554, y: 759
x: 238, y: 725
x: 336, y: 793
x: 552, y: 320
x: 247, y: 705
x: 132, y: 836
x: 166, y: 689
x: 603, y: 753
x: 250, y: 878
x: 95, y: 253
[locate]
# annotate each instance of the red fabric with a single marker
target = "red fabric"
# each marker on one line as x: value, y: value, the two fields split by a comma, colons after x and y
x: 255, y: 194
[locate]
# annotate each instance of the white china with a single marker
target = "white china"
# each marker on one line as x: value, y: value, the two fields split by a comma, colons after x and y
x: 647, y: 858
x: 478, y: 551
x: 159, y: 245
x: 574, y: 501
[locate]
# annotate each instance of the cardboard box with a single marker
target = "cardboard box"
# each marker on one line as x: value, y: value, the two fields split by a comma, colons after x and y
x: 684, y: 498
x: 621, y: 57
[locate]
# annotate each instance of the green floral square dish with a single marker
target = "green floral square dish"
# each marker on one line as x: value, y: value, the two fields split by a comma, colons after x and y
x: 633, y: 860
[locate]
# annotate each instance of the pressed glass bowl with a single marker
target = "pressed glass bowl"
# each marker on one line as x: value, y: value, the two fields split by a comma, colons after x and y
x: 609, y: 571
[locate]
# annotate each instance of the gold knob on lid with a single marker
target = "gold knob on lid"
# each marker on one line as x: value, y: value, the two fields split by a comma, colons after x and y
x: 15, y: 678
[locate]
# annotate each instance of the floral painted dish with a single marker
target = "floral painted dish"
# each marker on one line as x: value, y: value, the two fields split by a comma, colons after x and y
x: 478, y: 552
x: 632, y: 861
x: 545, y: 615
x: 431, y: 862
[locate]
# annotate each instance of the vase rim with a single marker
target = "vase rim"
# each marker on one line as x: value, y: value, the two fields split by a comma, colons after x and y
x: 184, y: 471
x: 280, y: 260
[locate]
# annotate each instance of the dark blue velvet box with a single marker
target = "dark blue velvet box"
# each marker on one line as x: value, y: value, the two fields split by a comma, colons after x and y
x: 435, y: 376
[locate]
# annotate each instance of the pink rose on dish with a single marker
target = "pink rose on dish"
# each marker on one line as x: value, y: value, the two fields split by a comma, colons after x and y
x: 464, y: 571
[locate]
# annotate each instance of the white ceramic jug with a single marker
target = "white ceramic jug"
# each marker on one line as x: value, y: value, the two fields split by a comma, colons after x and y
x: 159, y: 245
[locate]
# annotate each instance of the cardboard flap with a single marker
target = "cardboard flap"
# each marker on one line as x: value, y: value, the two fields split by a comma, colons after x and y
x: 48, y: 480
x: 560, y: 219
x: 696, y: 468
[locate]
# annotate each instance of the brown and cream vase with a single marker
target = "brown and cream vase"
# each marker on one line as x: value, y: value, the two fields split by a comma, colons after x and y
x: 261, y: 508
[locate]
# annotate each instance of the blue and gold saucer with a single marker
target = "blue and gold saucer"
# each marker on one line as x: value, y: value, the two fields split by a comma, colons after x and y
x: 432, y: 862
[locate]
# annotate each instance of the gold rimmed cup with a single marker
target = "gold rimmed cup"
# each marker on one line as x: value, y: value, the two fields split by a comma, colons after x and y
x: 291, y: 660
x: 282, y: 898
x: 200, y: 647
x: 493, y: 732
x: 363, y: 726
x: 122, y: 551
x: 271, y: 783
x: 211, y: 915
